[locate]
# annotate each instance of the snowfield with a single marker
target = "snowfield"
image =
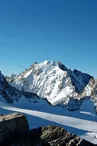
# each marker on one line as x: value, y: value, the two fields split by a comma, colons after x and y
x: 82, y: 122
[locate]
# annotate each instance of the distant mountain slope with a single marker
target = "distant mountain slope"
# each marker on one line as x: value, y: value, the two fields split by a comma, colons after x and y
x: 52, y: 80
x: 10, y: 94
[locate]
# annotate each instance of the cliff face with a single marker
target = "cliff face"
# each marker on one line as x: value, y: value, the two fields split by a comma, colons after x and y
x: 14, y: 131
x: 12, y: 127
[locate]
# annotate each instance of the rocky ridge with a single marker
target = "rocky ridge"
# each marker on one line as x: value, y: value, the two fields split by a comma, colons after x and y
x: 10, y: 94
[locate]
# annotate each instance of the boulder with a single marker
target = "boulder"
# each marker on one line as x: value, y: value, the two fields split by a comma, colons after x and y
x: 12, y: 127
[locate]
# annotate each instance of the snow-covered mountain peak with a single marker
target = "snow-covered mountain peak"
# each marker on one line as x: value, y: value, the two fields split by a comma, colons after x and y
x: 47, y: 65
x: 59, y: 86
x: 45, y: 62
x: 52, y: 80
x: 10, y: 94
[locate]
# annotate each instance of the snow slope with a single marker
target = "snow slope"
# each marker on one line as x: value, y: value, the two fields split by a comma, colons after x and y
x: 52, y: 80
x: 9, y: 94
x: 82, y: 122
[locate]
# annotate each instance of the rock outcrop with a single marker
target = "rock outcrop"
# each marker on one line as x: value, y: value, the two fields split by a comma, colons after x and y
x: 52, y: 136
x: 12, y: 127
x: 57, y: 136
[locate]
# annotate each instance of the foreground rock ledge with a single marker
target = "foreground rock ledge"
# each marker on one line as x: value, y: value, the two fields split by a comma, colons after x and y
x: 12, y: 126
x: 14, y: 131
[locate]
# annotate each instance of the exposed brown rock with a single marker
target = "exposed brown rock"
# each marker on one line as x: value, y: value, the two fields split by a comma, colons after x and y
x: 57, y: 136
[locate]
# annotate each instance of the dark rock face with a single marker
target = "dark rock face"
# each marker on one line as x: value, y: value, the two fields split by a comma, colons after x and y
x: 74, y: 104
x: 80, y: 80
x: 62, y: 66
x: 12, y: 127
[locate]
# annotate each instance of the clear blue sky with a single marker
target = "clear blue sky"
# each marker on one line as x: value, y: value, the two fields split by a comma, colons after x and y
x: 38, y: 30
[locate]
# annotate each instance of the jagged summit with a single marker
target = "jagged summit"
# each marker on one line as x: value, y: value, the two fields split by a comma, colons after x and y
x: 52, y: 80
